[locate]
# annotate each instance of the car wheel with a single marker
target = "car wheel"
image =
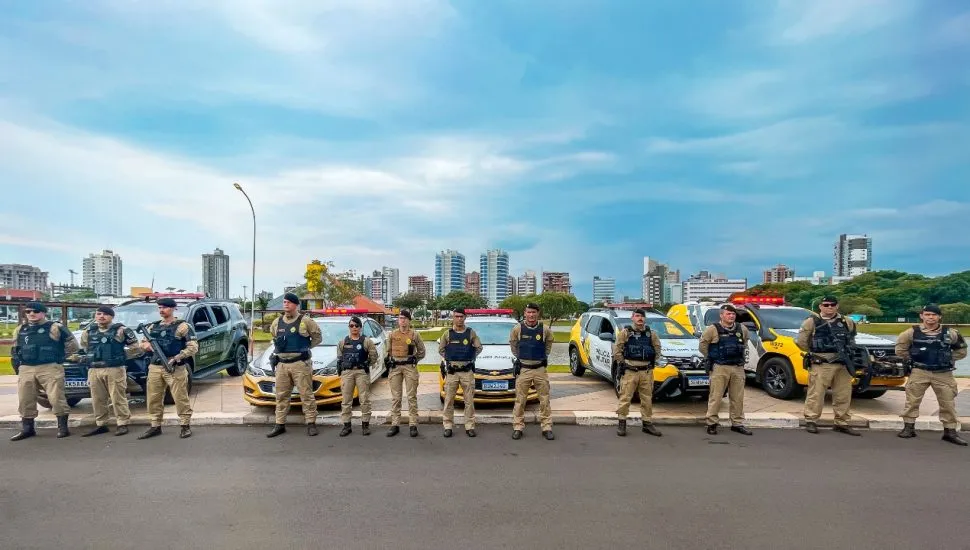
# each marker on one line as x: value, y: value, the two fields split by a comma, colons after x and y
x: 616, y: 381
x: 73, y: 401
x: 778, y: 379
x: 575, y: 366
x: 239, y: 362
x: 43, y: 401
x: 869, y: 394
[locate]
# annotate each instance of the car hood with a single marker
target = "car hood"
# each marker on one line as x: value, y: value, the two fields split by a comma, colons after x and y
x: 679, y: 347
x: 861, y: 338
x: 494, y: 358
x: 321, y: 356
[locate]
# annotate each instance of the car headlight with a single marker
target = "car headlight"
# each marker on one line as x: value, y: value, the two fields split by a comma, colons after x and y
x: 662, y: 361
x: 330, y: 369
x: 695, y: 360
x: 259, y: 367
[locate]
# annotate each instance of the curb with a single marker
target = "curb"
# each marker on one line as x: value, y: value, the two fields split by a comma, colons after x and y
x: 577, y: 418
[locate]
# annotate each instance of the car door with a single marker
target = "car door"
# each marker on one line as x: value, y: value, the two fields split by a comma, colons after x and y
x: 204, y: 324
x: 221, y: 333
x: 375, y: 334
x: 601, y: 341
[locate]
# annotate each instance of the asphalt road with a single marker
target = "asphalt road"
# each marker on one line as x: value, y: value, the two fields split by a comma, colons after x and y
x: 233, y: 488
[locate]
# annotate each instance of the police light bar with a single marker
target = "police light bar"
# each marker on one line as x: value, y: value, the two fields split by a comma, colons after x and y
x: 340, y: 311
x: 469, y: 312
x: 175, y: 295
x: 628, y: 307
x: 760, y: 300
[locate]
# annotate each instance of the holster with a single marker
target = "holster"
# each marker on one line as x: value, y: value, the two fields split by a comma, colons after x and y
x: 516, y: 368
x: 621, y: 369
x: 274, y: 360
x: 444, y: 370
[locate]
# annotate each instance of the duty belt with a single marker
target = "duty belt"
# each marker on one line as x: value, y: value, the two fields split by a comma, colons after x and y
x: 638, y: 369
x: 463, y: 368
x: 292, y: 360
x: 355, y: 367
x: 405, y: 361
x: 539, y: 366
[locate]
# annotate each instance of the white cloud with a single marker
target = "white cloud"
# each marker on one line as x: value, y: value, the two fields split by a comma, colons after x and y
x: 799, y: 21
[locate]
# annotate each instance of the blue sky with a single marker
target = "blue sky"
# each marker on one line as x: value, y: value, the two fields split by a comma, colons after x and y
x: 580, y: 136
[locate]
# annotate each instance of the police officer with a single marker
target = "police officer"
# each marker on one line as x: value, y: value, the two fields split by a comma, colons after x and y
x: 177, y: 339
x: 294, y: 335
x: 636, y: 351
x: 933, y: 350
x: 406, y: 350
x: 458, y: 347
x: 356, y: 356
x: 819, y: 336
x: 105, y: 346
x: 723, y: 345
x: 40, y: 348
x: 531, y: 345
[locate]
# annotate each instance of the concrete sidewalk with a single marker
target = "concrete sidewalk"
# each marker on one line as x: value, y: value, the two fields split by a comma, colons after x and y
x: 588, y: 400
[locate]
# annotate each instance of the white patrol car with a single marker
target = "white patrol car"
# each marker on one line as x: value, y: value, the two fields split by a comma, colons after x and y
x: 259, y: 383
x: 679, y: 369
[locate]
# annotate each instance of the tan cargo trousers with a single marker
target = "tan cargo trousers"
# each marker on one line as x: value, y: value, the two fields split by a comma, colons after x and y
x: 467, y: 382
x: 944, y: 386
x: 399, y: 375
x: 821, y: 378
x: 350, y: 379
x: 527, y: 377
x: 32, y: 377
x: 632, y: 382
x: 732, y: 378
x: 299, y: 374
x: 178, y: 384
x: 109, y: 385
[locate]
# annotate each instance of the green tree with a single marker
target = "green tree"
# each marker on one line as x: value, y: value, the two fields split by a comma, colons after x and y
x: 557, y: 305
x: 956, y: 313
x: 409, y: 300
x: 462, y: 299
x: 515, y: 303
x: 78, y: 296
x: 868, y: 311
x: 262, y: 303
x: 331, y: 288
x: 581, y: 307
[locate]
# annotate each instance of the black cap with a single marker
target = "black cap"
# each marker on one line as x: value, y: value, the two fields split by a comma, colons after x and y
x: 933, y: 308
x: 36, y: 306
x: 729, y: 307
x: 291, y: 298
x: 831, y: 299
x: 106, y: 310
x: 459, y: 310
x: 405, y: 313
x: 356, y: 320
x: 533, y: 305
x: 640, y: 310
x: 167, y: 302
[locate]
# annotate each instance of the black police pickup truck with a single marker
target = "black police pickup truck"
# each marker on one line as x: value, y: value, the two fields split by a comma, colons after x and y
x: 222, y: 332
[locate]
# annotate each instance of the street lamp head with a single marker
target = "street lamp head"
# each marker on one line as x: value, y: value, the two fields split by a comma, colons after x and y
x: 237, y: 186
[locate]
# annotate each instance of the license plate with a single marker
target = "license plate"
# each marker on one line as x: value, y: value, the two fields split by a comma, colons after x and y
x: 75, y: 383
x: 698, y: 381
x: 495, y: 385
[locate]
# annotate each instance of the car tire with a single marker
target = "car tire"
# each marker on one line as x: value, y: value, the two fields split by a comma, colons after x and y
x: 43, y: 401
x: 575, y: 363
x: 616, y: 382
x: 778, y: 379
x: 240, y: 360
x: 869, y: 394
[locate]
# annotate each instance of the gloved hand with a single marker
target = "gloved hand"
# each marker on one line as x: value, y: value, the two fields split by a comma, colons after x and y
x: 516, y: 367
x: 274, y: 360
x: 443, y: 370
x: 412, y: 359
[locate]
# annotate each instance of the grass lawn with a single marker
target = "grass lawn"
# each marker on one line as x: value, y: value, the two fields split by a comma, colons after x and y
x: 261, y: 336
x: 550, y: 368
x: 893, y: 329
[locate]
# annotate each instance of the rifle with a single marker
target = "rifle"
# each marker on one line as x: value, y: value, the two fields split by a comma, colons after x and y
x: 157, y: 349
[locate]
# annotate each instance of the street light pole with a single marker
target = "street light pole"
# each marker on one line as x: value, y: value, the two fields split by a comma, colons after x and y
x: 252, y: 319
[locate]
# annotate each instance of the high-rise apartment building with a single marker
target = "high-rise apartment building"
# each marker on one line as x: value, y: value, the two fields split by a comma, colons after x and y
x: 495, y: 276
x: 656, y: 278
x: 778, y: 274
x: 215, y: 275
x: 526, y: 284
x: 513, y: 286
x: 377, y: 287
x: 449, y: 272
x: 103, y: 273
x: 22, y: 277
x: 420, y: 284
x: 556, y: 281
x: 604, y: 289
x: 393, y: 276
x: 715, y: 287
x: 852, y: 255
x: 473, y: 283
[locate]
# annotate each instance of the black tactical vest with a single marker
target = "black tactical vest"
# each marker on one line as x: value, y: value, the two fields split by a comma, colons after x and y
x: 105, y: 347
x: 639, y: 347
x: 935, y: 352
x: 355, y: 353
x: 459, y: 346
x: 36, y: 347
x: 729, y: 349
x: 828, y: 334
x: 165, y: 336
x: 531, y: 345
x: 288, y: 338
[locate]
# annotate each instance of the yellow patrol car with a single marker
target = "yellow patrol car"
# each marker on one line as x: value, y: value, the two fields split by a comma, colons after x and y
x: 494, y: 379
x: 679, y: 370
x: 772, y: 358
x: 259, y: 383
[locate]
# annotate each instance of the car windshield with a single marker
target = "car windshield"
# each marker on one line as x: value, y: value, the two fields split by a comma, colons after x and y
x: 782, y: 319
x: 332, y: 332
x: 492, y: 334
x: 665, y: 328
x: 132, y: 315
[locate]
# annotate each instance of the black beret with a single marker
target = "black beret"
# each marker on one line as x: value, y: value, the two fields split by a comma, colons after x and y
x: 106, y: 310
x: 533, y: 305
x: 356, y: 320
x: 36, y: 306
x: 405, y: 313
x: 291, y: 298
x: 933, y: 308
x: 167, y: 302
x: 831, y: 299
x: 459, y: 310
x: 729, y: 307
x: 641, y: 311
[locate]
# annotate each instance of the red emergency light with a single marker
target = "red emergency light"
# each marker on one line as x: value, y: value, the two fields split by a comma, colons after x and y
x: 760, y: 300
x: 628, y: 307
x: 340, y: 311
x: 489, y: 312
x: 176, y: 295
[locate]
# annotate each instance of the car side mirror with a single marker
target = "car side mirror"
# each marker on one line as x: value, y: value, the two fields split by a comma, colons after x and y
x: 203, y: 325
x: 609, y: 337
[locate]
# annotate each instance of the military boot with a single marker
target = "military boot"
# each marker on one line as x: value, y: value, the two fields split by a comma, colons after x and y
x: 97, y: 431
x: 908, y: 431
x: 185, y: 432
x: 151, y: 432
x: 949, y: 434
x: 848, y: 430
x: 392, y: 431
x: 346, y: 431
x: 621, y: 428
x: 26, y: 430
x: 62, y: 430
x: 649, y: 428
x: 278, y: 429
x: 413, y: 431
x: 365, y: 428
x: 811, y: 427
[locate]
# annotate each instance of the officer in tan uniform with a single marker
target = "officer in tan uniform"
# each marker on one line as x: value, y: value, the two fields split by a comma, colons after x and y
x: 723, y: 345
x: 531, y: 345
x: 818, y: 337
x: 39, y: 350
x: 105, y: 346
x: 458, y: 347
x: 356, y: 355
x: 177, y: 339
x: 636, y: 351
x: 933, y: 351
x: 407, y: 350
x: 294, y: 336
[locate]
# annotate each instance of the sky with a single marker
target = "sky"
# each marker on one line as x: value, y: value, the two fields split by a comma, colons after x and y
x: 578, y: 136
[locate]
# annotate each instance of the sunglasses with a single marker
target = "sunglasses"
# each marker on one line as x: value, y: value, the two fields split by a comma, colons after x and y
x: 351, y: 325
x: 829, y: 305
x: 30, y: 311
